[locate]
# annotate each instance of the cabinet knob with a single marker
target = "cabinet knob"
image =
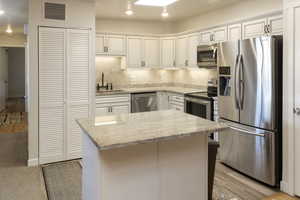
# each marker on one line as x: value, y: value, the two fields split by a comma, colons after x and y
x: 297, y: 111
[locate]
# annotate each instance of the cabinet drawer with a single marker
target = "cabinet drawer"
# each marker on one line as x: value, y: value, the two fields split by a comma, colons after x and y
x: 177, y: 107
x: 177, y: 98
x: 112, y: 99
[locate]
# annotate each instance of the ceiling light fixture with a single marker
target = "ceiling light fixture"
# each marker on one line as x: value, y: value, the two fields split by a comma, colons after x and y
x: 1, y: 12
x: 165, y: 12
x: 129, y: 9
x: 8, y: 29
x: 160, y: 3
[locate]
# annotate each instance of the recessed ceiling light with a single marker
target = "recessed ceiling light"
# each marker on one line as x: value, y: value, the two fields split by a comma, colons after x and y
x: 129, y: 9
x: 1, y: 12
x: 160, y: 3
x: 165, y: 12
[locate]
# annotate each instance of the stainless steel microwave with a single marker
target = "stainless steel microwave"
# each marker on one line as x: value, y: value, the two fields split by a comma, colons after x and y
x: 207, y: 56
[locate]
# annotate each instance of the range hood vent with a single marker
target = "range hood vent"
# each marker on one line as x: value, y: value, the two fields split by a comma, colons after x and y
x: 55, y: 11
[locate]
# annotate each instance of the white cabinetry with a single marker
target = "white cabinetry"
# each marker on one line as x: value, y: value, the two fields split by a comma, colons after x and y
x: 110, y: 44
x: 112, y: 104
x: 266, y: 26
x: 181, y: 51
x: 176, y: 102
x: 186, y: 50
x: 134, y: 52
x: 168, y: 52
x: 143, y: 52
x: 162, y: 100
x: 235, y: 32
x: 151, y: 52
x: 214, y: 36
x: 64, y: 58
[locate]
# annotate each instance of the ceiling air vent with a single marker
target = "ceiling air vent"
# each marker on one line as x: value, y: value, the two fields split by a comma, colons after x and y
x: 55, y: 11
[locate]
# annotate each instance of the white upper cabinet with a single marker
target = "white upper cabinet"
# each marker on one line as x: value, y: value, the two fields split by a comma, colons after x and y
x: 267, y: 26
x: 214, y: 36
x: 254, y: 28
x: 219, y: 34
x: 110, y: 44
x: 182, y: 51
x: 235, y: 32
x: 143, y: 52
x: 205, y: 37
x: 100, y: 44
x: 116, y: 44
x: 275, y: 25
x: 167, y: 52
x: 193, y: 42
x: 134, y: 52
x: 151, y: 52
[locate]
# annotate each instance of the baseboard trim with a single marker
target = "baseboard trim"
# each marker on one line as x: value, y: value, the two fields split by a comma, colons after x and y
x: 284, y: 187
x: 33, y: 162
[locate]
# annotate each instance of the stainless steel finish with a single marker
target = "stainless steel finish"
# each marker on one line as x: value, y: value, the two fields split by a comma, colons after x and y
x: 297, y: 111
x: 144, y: 102
x: 251, y: 154
x: 228, y: 56
x: 210, y: 59
x: 257, y: 83
x: 205, y: 103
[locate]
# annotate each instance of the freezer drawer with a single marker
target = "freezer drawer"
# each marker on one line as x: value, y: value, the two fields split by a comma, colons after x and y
x: 250, y: 151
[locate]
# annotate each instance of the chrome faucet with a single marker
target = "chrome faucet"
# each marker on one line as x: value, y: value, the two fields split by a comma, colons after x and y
x: 108, y: 86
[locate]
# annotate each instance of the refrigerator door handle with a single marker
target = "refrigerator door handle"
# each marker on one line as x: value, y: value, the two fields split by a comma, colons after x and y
x: 246, y: 131
x: 242, y: 83
x: 236, y: 82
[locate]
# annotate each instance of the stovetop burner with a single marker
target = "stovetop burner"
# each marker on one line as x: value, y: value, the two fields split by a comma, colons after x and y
x: 211, y: 92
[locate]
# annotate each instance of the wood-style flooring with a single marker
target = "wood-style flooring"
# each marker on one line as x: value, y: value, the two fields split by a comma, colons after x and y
x: 14, y: 118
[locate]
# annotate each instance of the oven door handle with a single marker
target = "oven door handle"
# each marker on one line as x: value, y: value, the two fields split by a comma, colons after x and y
x: 197, y: 101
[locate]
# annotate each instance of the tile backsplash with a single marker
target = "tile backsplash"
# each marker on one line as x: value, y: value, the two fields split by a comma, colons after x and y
x: 111, y: 67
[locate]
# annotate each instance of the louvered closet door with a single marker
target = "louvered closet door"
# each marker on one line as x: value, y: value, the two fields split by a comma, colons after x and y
x: 51, y: 94
x: 78, y: 48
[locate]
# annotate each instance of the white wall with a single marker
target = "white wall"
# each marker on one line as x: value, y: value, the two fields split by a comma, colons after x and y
x: 134, y: 26
x: 80, y: 14
x: 235, y: 12
x: 16, y: 72
x: 3, y: 76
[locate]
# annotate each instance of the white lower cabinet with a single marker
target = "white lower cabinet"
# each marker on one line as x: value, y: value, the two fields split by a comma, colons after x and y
x: 162, y: 100
x: 176, y: 101
x: 112, y: 105
x: 64, y: 70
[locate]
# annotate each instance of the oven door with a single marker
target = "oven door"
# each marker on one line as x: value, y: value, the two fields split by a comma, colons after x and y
x: 198, y: 107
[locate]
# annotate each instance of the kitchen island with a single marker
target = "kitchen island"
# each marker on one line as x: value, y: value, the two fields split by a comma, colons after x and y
x: 159, y: 155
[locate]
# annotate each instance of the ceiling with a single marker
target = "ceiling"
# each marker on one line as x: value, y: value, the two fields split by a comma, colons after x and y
x: 114, y: 9
x: 15, y: 12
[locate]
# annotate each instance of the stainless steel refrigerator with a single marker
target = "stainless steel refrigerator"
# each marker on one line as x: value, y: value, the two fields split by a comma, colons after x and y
x: 250, y: 103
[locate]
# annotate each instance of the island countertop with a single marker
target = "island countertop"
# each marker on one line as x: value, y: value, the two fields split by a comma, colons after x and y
x: 116, y: 131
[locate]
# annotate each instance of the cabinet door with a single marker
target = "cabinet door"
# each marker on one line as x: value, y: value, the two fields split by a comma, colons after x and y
x: 176, y: 107
x: 163, y: 100
x: 116, y: 44
x: 254, y: 28
x: 102, y: 111
x: 276, y: 25
x: 120, y: 109
x: 181, y: 51
x: 78, y: 68
x: 134, y: 52
x: 168, y: 52
x: 205, y: 37
x: 51, y: 94
x: 235, y: 32
x: 193, y: 42
x: 152, y: 52
x: 220, y: 34
x: 100, y: 44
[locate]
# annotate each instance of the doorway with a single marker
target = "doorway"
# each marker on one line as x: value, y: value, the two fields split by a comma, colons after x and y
x: 13, y: 106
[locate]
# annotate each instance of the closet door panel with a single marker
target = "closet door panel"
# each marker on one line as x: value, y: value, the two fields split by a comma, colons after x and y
x: 51, y: 94
x: 78, y: 67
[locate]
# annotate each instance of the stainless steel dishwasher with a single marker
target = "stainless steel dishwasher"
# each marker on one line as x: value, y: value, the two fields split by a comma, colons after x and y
x: 143, y: 102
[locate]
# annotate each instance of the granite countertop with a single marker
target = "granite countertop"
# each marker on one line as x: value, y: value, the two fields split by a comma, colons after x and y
x: 116, y: 131
x: 175, y: 89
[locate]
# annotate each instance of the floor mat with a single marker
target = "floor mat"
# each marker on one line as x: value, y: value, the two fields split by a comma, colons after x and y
x: 63, y: 180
